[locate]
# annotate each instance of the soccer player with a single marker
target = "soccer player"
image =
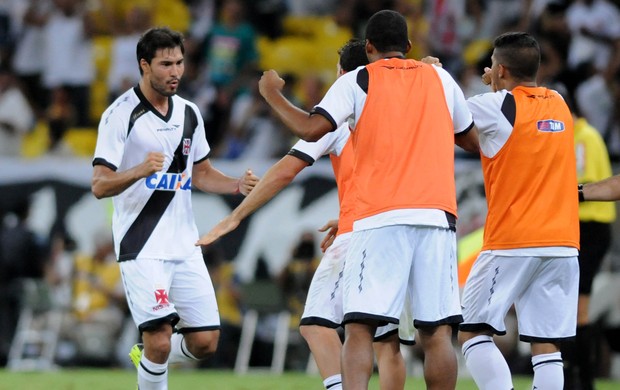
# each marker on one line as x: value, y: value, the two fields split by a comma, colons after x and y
x: 531, y: 234
x: 323, y: 309
x: 406, y: 118
x: 151, y: 150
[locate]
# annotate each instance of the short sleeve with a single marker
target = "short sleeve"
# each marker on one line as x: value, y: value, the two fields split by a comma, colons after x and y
x: 338, y: 104
x: 461, y: 115
x: 111, y: 137
x: 330, y: 143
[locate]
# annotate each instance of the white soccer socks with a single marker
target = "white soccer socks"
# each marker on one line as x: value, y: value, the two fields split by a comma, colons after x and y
x: 178, y: 350
x: 333, y: 382
x: 152, y: 376
x: 486, y: 364
x: 548, y: 371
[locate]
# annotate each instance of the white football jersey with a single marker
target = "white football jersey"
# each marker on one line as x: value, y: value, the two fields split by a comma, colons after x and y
x: 331, y: 143
x: 153, y: 218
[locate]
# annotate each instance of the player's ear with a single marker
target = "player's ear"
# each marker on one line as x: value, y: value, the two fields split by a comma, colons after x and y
x: 408, y: 47
x: 143, y: 65
x: 370, y: 48
x: 502, y: 71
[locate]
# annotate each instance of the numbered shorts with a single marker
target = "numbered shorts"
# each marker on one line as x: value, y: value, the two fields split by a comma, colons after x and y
x: 544, y: 291
x: 393, y: 268
x: 170, y: 291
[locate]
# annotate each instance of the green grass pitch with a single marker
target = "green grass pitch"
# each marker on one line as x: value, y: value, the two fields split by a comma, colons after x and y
x: 118, y: 379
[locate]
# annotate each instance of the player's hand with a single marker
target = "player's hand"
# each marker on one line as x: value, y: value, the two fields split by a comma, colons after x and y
x: 224, y: 227
x: 486, y: 76
x: 332, y: 229
x: 269, y: 82
x: 432, y: 61
x: 154, y: 162
x: 247, y: 182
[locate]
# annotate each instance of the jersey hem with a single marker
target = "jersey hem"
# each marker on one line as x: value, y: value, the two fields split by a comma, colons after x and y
x: 359, y: 317
x: 528, y: 245
x: 198, y: 329
x: 172, y: 319
x: 478, y: 327
x: 552, y: 340
x: 318, y: 321
x: 451, y: 320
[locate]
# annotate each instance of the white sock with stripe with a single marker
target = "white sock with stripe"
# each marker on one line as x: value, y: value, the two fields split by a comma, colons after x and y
x: 486, y: 364
x: 152, y: 376
x: 178, y: 350
x: 333, y: 382
x: 548, y: 371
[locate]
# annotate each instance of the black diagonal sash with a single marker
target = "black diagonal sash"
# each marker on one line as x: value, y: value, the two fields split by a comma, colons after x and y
x: 143, y: 226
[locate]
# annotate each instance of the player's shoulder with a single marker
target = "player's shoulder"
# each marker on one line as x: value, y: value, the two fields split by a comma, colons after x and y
x: 122, y: 106
x: 180, y: 101
x: 490, y: 97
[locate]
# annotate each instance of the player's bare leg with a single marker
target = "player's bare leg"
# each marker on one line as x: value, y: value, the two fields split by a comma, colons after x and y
x: 390, y: 362
x: 325, y: 346
x: 357, y: 356
x: 440, y: 365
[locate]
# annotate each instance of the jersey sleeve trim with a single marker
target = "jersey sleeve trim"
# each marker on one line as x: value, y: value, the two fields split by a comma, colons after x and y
x: 324, y: 113
x: 509, y: 108
x: 471, y: 126
x: 302, y: 156
x: 102, y: 161
x: 363, y: 79
x: 202, y: 159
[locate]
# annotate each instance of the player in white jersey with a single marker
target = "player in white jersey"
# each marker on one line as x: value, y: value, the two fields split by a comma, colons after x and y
x: 323, y: 309
x: 151, y: 150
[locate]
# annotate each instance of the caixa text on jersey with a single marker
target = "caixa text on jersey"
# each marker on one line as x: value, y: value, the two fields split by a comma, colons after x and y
x: 169, y: 181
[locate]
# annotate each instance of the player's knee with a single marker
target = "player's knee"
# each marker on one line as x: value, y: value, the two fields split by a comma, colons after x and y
x: 204, y: 345
x: 310, y: 332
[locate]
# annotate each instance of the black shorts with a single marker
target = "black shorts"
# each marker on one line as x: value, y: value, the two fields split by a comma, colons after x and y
x: 594, y: 242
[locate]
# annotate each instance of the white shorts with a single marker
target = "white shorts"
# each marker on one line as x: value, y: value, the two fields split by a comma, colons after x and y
x: 177, y: 292
x: 544, y: 291
x: 324, y: 300
x: 393, y: 267
x: 405, y: 329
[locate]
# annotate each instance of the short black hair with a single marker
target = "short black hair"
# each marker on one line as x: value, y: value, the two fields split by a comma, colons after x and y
x: 353, y: 54
x: 387, y: 31
x: 155, y: 39
x: 520, y: 53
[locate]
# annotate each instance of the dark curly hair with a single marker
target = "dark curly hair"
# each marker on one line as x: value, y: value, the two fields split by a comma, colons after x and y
x: 387, y: 31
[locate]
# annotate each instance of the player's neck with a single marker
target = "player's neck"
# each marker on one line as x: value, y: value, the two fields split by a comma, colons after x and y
x: 157, y: 100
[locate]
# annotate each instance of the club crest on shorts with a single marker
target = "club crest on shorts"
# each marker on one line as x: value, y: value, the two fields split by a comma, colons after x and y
x: 187, y: 143
x: 161, y: 296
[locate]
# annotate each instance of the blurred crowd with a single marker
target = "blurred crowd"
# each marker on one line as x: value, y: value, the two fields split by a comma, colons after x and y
x: 63, y: 61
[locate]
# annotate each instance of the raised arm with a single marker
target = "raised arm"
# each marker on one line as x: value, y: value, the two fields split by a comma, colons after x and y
x: 277, y: 177
x: 301, y: 123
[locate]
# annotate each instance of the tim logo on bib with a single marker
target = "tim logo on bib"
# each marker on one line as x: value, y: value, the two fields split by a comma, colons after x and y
x: 187, y: 143
x: 161, y: 296
x: 550, y: 126
x: 169, y: 181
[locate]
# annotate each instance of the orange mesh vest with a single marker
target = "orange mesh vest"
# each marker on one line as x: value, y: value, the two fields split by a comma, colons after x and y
x: 343, y: 171
x: 404, y: 141
x: 530, y: 183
